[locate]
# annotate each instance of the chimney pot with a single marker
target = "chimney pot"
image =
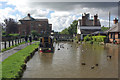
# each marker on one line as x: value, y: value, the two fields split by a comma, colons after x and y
x: 29, y: 14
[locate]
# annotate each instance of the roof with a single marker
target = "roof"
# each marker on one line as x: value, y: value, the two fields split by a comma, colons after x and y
x: 115, y: 28
x: 99, y: 32
x: 41, y: 19
x: 31, y: 19
x: 19, y: 22
x: 89, y: 31
x: 27, y: 18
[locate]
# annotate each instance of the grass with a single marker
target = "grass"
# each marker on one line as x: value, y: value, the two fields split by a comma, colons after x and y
x: 12, y: 65
x: 11, y: 47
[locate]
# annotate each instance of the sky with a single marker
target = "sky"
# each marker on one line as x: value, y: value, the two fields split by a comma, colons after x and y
x: 60, y: 14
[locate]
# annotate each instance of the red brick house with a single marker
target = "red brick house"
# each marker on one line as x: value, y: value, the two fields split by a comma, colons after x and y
x: 28, y: 23
x: 114, y: 32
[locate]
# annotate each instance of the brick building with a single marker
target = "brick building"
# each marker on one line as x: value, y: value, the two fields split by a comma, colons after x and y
x: 87, y: 26
x: 114, y: 32
x: 28, y: 23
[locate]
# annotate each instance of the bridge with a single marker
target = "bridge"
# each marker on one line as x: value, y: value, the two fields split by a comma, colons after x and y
x: 63, y: 37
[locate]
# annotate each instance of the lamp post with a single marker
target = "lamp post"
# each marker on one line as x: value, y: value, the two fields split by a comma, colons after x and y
x: 109, y: 19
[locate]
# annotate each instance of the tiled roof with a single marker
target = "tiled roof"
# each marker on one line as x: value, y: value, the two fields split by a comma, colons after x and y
x: 31, y: 19
x: 41, y: 19
x: 27, y: 18
x: 115, y: 28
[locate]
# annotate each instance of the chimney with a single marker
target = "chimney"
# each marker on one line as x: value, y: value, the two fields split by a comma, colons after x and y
x: 29, y: 14
x: 83, y: 20
x: 115, y: 20
x: 95, y: 20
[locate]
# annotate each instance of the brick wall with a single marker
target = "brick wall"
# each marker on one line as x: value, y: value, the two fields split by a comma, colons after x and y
x: 40, y: 26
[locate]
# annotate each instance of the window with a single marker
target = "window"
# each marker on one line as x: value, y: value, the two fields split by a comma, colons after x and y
x: 119, y: 35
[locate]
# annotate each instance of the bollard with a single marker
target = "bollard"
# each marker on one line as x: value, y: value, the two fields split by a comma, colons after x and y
x: 9, y: 43
x: 22, y: 40
x: 12, y: 43
x: 18, y: 41
x: 15, y: 42
x: 5, y: 45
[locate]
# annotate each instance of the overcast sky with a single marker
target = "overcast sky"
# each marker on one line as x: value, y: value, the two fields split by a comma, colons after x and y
x: 60, y: 14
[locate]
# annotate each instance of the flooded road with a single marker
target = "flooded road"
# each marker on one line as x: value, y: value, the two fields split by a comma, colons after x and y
x: 66, y: 62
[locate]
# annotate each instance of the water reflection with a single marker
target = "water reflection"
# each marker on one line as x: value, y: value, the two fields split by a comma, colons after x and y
x: 46, y: 58
x: 67, y: 62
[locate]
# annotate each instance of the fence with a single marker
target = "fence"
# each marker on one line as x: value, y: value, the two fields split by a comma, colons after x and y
x: 9, y: 43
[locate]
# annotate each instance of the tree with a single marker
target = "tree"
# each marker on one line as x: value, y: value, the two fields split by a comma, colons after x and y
x: 104, y: 28
x: 72, y: 29
x: 11, y: 26
x: 65, y: 31
x: 35, y: 34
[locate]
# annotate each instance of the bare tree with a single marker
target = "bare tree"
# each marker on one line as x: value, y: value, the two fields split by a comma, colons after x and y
x: 11, y: 26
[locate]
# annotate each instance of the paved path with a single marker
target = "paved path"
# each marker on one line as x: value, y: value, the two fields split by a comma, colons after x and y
x: 8, y: 53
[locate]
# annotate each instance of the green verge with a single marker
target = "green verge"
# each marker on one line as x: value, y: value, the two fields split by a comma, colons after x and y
x: 12, y: 65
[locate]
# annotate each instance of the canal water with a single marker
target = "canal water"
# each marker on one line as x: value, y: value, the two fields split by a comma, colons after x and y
x: 66, y: 62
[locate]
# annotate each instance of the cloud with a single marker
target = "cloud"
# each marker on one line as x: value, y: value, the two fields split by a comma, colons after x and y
x: 64, y: 12
x: 62, y: 21
x: 60, y: 14
x: 106, y: 23
x: 5, y: 13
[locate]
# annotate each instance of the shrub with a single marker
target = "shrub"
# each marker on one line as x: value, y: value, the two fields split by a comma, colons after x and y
x: 98, y: 38
x: 13, y: 35
x: 88, y: 38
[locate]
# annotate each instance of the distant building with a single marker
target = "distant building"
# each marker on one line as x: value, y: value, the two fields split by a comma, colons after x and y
x: 114, y: 32
x: 87, y: 26
x: 28, y: 23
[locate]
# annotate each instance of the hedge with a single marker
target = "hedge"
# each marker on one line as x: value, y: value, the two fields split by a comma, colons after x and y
x: 98, y: 38
x: 12, y: 66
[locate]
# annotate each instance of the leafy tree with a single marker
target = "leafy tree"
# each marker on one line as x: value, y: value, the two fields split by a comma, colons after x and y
x: 65, y: 31
x: 3, y: 33
x: 72, y: 29
x: 34, y: 33
x: 104, y: 28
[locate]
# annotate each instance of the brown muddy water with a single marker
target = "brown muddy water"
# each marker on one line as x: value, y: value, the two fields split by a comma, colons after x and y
x: 66, y: 62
